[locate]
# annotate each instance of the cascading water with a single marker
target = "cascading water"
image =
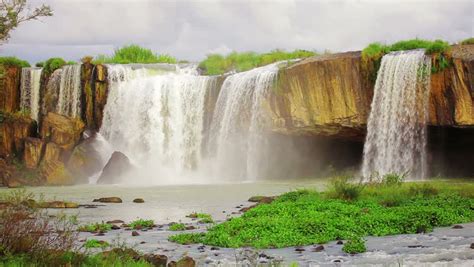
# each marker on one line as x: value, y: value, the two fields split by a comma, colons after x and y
x: 396, y: 130
x: 30, y: 91
x: 155, y: 117
x: 239, y: 121
x: 69, y: 99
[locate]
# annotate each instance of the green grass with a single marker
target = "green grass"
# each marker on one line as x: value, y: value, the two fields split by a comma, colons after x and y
x: 354, y: 246
x: 134, y: 54
x: 142, y: 223
x: 94, y: 243
x: 306, y: 217
x: 95, y: 227
x: 468, y: 41
x: 177, y: 227
x: 14, y: 62
x: 53, y: 64
x: 216, y: 64
x: 203, y: 217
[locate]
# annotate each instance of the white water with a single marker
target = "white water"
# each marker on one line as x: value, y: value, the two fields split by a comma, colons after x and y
x: 237, y: 131
x: 69, y: 99
x: 30, y: 87
x: 155, y: 117
x: 396, y: 130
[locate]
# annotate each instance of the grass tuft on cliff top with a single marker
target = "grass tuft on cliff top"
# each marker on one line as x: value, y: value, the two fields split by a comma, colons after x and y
x: 134, y: 54
x: 377, y: 50
x: 216, y: 64
x: 14, y: 62
x: 346, y: 211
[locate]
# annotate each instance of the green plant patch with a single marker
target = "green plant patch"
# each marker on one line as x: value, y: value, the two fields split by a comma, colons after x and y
x: 14, y: 62
x: 53, y: 64
x: 177, y: 227
x: 141, y: 223
x: 95, y: 227
x: 354, y: 245
x: 307, y: 217
x: 134, y: 54
x: 203, y: 217
x: 468, y: 41
x: 94, y: 243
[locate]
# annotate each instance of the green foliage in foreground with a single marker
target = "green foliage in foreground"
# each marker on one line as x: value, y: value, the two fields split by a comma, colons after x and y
x: 53, y: 64
x: 134, y: 54
x: 354, y: 246
x: 95, y: 227
x: 14, y: 62
x: 141, y: 223
x: 216, y: 64
x: 306, y: 217
x: 94, y: 243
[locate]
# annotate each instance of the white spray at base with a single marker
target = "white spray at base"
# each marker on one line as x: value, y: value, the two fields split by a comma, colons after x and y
x: 30, y: 91
x: 396, y: 130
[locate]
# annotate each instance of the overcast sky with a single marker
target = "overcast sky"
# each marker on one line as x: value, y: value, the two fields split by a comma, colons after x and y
x: 191, y: 29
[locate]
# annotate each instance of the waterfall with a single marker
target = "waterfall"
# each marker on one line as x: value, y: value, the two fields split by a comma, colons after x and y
x: 396, y: 130
x: 239, y: 121
x: 69, y: 99
x: 155, y: 117
x: 30, y: 91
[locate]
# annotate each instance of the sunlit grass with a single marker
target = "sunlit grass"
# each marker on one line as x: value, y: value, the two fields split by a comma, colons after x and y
x: 134, y: 54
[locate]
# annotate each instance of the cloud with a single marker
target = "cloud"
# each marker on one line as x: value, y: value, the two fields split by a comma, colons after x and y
x: 192, y: 29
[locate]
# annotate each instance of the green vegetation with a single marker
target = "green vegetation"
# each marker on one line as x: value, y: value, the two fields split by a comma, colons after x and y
x: 216, y: 64
x: 95, y: 227
x: 141, y: 223
x: 468, y: 41
x: 94, y: 243
x: 346, y: 211
x: 14, y: 62
x: 354, y: 246
x: 203, y: 217
x: 53, y: 64
x: 39, y: 64
x: 134, y: 54
x: 71, y: 62
x: 177, y: 227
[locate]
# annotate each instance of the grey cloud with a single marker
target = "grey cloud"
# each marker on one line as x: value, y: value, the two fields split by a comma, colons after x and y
x: 191, y: 29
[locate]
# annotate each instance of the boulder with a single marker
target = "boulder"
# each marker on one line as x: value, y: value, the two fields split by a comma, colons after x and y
x: 156, y: 260
x: 61, y: 130
x: 85, y: 159
x: 117, y: 166
x: 34, y: 148
x: 138, y: 200
x: 186, y: 261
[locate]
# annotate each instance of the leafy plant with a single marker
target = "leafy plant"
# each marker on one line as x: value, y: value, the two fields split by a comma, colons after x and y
x: 134, y: 54
x: 177, y: 227
x: 342, y: 188
x: 468, y: 41
x: 14, y: 62
x: 354, y: 245
x: 203, y: 217
x: 94, y: 243
x: 391, y: 179
x: 53, y: 64
x: 95, y: 227
x: 141, y: 223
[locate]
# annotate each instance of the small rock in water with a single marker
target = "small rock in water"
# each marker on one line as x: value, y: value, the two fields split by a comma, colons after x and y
x: 186, y: 262
x: 318, y: 248
x: 108, y: 200
x: 472, y: 245
x: 156, y: 260
x: 115, y: 227
x: 143, y: 242
x: 135, y: 233
x: 336, y: 261
x: 339, y: 242
x: 457, y: 226
x: 115, y: 221
x: 416, y: 246
x: 99, y: 234
x: 215, y: 248
x: 138, y: 200
x: 300, y: 249
x: 190, y: 227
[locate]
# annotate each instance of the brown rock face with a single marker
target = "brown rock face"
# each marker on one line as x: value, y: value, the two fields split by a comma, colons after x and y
x: 34, y: 148
x: 326, y: 95
x: 10, y: 88
x: 85, y: 160
x: 55, y: 173
x: 13, y: 131
x: 100, y: 93
x: 61, y: 130
x: 116, y: 167
x: 88, y: 94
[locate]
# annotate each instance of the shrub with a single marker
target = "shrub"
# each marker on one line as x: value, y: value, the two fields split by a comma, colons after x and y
x: 53, y: 64
x: 94, y: 243
x: 141, y: 223
x: 342, y: 188
x: 14, y: 62
x: 177, y: 227
x: 134, y: 54
x: 39, y: 64
x: 424, y: 190
x: 71, y: 62
x: 95, y: 227
x: 468, y: 41
x: 216, y: 64
x: 354, y: 246
x: 392, y: 179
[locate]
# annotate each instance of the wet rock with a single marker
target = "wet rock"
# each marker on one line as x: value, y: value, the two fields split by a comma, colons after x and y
x: 108, y: 200
x: 261, y: 199
x: 117, y: 166
x: 135, y: 233
x: 138, y: 200
x: 172, y: 264
x: 61, y: 130
x: 245, y: 209
x: 457, y: 226
x: 472, y: 245
x: 186, y: 262
x: 115, y: 222
x: 156, y: 260
x: 299, y: 249
x: 215, y: 248
x: 143, y: 242
x: 190, y: 227
x: 115, y: 227
x: 339, y: 242
x: 416, y: 246
x: 89, y: 206
x: 58, y: 205
x: 100, y: 234
x: 318, y: 248
x: 86, y: 159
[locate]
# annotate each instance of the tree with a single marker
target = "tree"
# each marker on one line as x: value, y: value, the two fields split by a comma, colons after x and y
x: 14, y: 12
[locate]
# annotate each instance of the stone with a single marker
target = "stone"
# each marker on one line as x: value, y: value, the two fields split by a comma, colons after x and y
x: 339, y: 242
x: 61, y: 130
x: 299, y: 249
x: 34, y: 148
x: 156, y: 260
x: 115, y: 222
x: 115, y: 227
x: 58, y: 205
x: 186, y: 262
x: 172, y: 264
x: 135, y: 233
x: 117, y: 166
x: 108, y: 200
x: 318, y: 248
x: 138, y: 200
x: 472, y: 245
x: 457, y: 226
